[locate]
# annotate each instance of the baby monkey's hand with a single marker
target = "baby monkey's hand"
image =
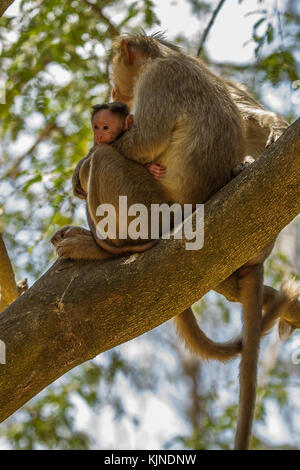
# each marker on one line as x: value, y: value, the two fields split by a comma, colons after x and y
x: 155, y: 169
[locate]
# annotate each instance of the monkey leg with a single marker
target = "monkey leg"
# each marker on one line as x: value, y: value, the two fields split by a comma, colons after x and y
x: 251, y: 283
x: 111, y: 175
x: 231, y: 290
x: 80, y: 246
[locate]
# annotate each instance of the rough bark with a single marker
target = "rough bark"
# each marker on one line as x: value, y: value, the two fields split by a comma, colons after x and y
x: 79, y: 309
x: 4, y: 4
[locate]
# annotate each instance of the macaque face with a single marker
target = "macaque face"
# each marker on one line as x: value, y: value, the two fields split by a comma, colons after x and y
x: 107, y: 126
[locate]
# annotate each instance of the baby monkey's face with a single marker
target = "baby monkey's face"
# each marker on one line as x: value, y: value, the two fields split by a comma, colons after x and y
x: 107, y: 126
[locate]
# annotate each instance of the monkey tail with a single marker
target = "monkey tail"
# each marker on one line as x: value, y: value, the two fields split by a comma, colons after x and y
x: 197, y: 341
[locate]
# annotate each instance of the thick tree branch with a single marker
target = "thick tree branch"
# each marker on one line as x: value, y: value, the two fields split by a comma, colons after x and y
x: 4, y: 4
x: 79, y: 309
x: 8, y: 287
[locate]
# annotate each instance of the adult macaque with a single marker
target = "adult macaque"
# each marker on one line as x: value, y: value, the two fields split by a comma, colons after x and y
x: 184, y: 117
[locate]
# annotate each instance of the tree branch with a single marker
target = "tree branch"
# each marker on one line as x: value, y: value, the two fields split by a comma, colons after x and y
x: 209, y: 26
x: 8, y: 287
x: 4, y: 4
x: 45, y: 132
x: 79, y: 309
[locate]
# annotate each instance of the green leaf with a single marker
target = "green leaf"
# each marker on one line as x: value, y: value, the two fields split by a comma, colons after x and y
x: 29, y: 183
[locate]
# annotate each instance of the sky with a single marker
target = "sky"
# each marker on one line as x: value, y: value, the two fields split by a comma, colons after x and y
x: 228, y: 41
x: 225, y: 42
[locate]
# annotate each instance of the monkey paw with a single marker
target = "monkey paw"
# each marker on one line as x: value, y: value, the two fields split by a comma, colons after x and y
x: 67, y: 232
x: 22, y: 286
x: 69, y: 247
x: 248, y: 160
x: 80, y: 246
x: 274, y: 135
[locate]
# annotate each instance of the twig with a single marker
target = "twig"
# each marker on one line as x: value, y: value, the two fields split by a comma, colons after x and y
x: 13, y: 171
x: 111, y: 27
x: 209, y: 26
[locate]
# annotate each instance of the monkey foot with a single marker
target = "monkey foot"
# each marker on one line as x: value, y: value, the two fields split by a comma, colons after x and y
x: 80, y: 245
x: 248, y: 160
x: 67, y: 232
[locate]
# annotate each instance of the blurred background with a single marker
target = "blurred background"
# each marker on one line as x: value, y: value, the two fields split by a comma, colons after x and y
x: 150, y: 393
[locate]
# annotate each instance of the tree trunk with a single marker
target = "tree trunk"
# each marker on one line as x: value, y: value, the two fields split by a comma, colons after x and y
x: 4, y: 4
x: 79, y: 309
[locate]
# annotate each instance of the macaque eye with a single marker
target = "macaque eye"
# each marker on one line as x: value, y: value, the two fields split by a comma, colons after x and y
x: 105, y: 128
x: 96, y: 127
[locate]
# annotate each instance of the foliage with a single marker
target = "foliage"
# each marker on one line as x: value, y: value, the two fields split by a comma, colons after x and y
x: 276, y: 37
x: 50, y: 420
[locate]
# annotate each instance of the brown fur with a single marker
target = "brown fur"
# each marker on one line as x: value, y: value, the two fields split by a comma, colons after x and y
x: 197, y: 133
x: 263, y: 127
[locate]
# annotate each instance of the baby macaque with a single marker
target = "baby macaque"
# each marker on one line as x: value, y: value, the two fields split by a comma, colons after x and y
x: 110, y: 121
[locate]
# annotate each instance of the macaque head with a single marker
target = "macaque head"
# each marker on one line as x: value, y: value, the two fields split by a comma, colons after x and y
x: 109, y: 121
x: 131, y: 54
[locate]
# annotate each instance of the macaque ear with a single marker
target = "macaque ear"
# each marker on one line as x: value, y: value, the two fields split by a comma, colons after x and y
x: 128, y: 122
x: 128, y: 52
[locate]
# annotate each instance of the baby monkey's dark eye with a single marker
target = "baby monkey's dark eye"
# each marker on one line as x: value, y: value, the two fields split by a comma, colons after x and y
x: 96, y: 127
x: 105, y: 128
